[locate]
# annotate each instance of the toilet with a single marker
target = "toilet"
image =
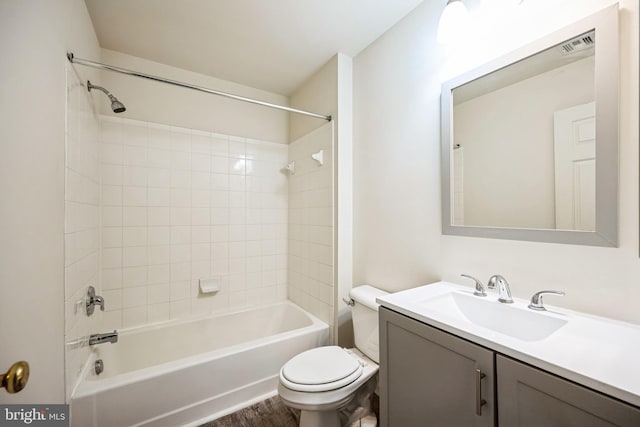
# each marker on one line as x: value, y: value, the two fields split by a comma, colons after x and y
x: 324, y: 380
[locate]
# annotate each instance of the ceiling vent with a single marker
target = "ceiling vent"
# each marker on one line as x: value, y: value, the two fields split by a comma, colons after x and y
x: 585, y: 41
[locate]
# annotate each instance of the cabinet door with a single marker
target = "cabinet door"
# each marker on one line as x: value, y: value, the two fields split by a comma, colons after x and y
x: 530, y: 397
x: 431, y: 378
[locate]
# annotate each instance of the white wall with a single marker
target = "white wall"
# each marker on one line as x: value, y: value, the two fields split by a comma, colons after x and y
x: 34, y: 38
x: 396, y: 155
x: 171, y: 105
x: 398, y: 243
x: 318, y: 94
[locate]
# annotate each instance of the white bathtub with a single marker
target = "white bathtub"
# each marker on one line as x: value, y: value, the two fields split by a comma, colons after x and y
x: 190, y: 372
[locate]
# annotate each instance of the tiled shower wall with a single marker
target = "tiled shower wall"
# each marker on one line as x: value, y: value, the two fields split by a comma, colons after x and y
x: 179, y: 205
x: 82, y: 224
x: 311, y: 231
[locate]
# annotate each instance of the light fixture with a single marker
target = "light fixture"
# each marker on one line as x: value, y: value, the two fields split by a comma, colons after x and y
x: 454, y: 22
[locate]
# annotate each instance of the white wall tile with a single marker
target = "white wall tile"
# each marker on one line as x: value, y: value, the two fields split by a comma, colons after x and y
x: 134, y: 216
x: 111, y: 195
x: 134, y: 256
x: 134, y: 175
x: 134, y: 297
x: 134, y: 196
x: 134, y: 155
x: 200, y: 216
x: 112, y: 153
x: 159, y: 216
x: 158, y: 158
x: 134, y: 316
x: 82, y: 234
x: 111, y: 132
x: 158, y: 274
x: 159, y: 235
x: 177, y: 206
x: 135, y: 133
x: 111, y: 237
x: 158, y: 197
x: 111, y: 278
x: 310, y: 229
x: 201, y: 234
x: 134, y: 276
x: 159, y: 177
x: 220, y: 145
x: 179, y: 290
x: 158, y: 312
x: 159, y: 254
x: 111, y: 174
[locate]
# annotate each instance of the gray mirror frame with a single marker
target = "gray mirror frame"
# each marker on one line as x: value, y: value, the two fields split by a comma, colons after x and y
x: 605, y: 22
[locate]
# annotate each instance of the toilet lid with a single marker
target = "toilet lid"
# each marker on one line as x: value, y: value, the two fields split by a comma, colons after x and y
x: 322, y: 368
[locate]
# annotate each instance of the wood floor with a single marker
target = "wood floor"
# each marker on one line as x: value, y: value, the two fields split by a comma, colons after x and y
x: 268, y: 413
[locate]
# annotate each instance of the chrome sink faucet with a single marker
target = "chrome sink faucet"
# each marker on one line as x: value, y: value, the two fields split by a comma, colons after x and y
x: 504, y: 292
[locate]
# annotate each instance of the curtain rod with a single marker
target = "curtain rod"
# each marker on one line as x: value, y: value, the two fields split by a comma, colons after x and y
x: 98, y: 65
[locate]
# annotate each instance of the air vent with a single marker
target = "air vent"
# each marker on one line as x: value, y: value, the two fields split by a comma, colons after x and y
x: 582, y: 42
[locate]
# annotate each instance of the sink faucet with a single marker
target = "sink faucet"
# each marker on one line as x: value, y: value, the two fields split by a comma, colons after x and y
x: 479, y: 292
x: 111, y: 337
x: 536, y: 299
x: 504, y: 292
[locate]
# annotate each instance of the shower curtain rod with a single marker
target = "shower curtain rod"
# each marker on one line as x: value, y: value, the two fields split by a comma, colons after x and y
x: 98, y: 65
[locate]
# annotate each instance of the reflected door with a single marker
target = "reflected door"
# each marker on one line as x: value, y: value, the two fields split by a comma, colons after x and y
x: 575, y: 167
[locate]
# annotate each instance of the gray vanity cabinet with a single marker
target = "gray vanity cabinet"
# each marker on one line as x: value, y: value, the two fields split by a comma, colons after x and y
x: 529, y: 397
x: 430, y: 378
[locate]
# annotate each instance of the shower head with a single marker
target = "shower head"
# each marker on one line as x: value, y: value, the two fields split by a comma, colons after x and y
x: 116, y: 106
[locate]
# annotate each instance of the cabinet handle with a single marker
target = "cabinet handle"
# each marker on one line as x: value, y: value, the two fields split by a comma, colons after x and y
x: 479, y: 400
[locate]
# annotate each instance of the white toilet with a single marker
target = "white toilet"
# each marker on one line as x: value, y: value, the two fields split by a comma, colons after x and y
x: 322, y: 381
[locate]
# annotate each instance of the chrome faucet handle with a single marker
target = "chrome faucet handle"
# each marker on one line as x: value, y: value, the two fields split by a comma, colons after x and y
x: 536, y: 299
x: 504, y: 292
x: 91, y: 300
x: 479, y: 292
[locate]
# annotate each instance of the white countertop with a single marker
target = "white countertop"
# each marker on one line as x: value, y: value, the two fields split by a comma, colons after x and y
x: 599, y: 353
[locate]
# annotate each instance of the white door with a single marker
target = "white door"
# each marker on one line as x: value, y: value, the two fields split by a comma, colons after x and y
x: 575, y: 167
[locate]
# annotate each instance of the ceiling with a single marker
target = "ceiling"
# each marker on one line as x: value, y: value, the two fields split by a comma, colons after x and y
x: 274, y: 45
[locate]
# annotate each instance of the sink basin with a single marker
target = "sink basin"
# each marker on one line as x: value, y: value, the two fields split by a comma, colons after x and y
x: 508, y: 319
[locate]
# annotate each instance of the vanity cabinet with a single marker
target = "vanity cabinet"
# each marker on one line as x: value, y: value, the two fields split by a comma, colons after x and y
x: 429, y: 377
x: 529, y: 397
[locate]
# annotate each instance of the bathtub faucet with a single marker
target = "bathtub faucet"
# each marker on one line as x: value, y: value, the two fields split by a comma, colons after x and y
x: 111, y: 337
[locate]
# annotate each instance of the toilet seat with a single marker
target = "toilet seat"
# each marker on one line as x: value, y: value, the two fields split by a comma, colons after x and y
x: 321, y: 369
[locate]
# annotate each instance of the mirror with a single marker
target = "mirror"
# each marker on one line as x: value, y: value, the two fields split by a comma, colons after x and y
x: 530, y: 140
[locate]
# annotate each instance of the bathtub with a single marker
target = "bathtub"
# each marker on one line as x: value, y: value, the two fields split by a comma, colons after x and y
x: 190, y: 372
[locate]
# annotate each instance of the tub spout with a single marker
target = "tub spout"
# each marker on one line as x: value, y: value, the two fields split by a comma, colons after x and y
x: 111, y: 337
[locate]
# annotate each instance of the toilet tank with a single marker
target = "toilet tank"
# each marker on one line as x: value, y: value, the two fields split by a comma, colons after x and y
x: 365, y: 320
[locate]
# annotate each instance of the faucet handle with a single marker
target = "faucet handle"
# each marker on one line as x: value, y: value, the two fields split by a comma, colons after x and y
x: 91, y: 300
x: 479, y: 292
x: 536, y: 299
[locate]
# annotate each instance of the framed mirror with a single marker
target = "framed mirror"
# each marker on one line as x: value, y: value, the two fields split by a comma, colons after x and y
x: 530, y: 140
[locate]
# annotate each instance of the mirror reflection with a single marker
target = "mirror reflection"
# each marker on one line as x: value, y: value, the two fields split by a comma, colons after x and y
x: 524, y: 143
